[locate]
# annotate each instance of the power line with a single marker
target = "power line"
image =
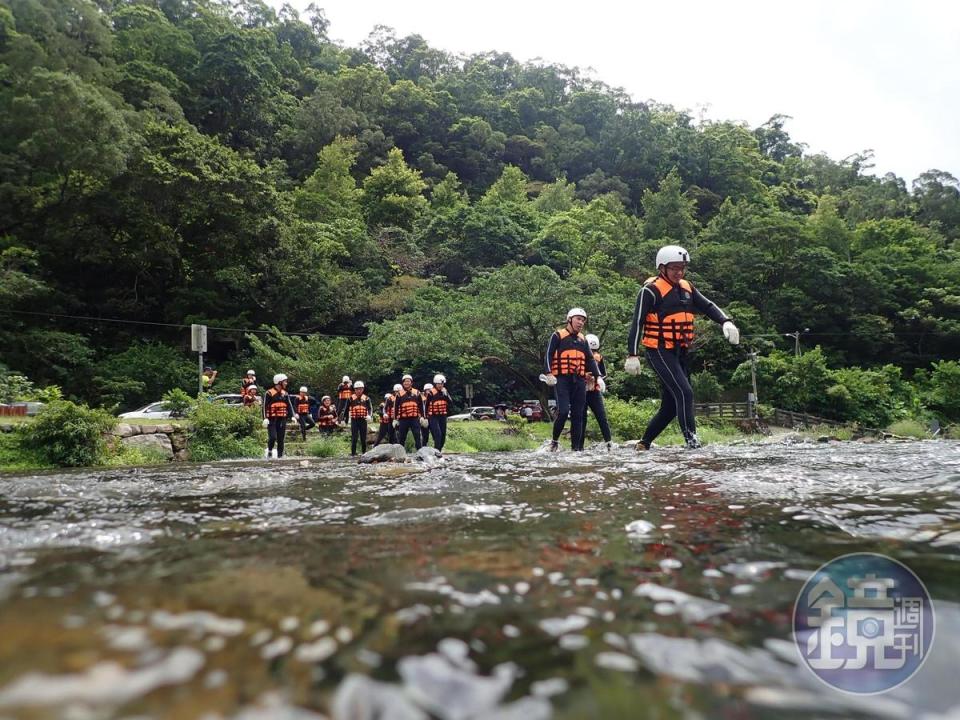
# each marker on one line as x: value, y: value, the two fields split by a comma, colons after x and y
x: 172, y: 325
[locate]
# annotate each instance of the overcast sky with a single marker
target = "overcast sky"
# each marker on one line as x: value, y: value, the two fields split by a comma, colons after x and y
x: 853, y: 74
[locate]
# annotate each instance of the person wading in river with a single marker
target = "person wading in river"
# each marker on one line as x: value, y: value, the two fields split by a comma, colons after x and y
x: 663, y: 325
x: 596, y: 386
x: 408, y: 412
x: 277, y: 409
x: 360, y: 409
x: 567, y: 363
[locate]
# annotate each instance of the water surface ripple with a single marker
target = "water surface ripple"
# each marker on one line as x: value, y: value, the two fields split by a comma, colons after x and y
x: 522, y: 585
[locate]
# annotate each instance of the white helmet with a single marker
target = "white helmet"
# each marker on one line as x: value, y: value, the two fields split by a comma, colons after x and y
x: 359, y: 384
x: 671, y: 254
x: 325, y: 397
x: 407, y: 376
x: 593, y: 341
x: 398, y: 387
x: 346, y: 378
x: 279, y: 378
x: 437, y: 379
x: 387, y: 396
x: 250, y: 387
x: 251, y: 372
x: 303, y: 389
x: 577, y: 311
x: 428, y: 386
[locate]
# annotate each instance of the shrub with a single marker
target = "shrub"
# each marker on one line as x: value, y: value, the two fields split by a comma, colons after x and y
x: 67, y: 435
x: 177, y: 402
x: 14, y: 457
x: 15, y: 387
x: 941, y: 389
x: 327, y: 447
x: 909, y: 428
x: 706, y: 387
x: 219, y: 431
x: 627, y: 419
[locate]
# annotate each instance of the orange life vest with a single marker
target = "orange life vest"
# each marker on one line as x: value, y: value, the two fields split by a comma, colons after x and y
x: 303, y: 404
x: 437, y: 405
x: 671, y: 324
x: 386, y: 410
x: 344, y: 392
x: 327, y: 416
x: 570, y: 354
x: 277, y: 403
x: 358, y: 406
x: 407, y: 404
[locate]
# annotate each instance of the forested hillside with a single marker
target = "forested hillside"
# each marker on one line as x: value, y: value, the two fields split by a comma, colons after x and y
x: 175, y: 161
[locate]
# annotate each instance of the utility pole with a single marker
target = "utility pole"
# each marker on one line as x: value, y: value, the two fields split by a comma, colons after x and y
x: 796, y: 339
x: 754, y: 397
x: 198, y: 343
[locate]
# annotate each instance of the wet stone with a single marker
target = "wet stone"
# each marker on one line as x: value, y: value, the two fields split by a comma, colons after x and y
x: 385, y: 453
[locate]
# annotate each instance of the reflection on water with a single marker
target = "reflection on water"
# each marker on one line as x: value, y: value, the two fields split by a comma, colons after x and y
x: 522, y: 585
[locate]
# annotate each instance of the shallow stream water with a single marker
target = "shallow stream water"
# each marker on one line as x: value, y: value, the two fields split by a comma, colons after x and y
x: 518, y: 585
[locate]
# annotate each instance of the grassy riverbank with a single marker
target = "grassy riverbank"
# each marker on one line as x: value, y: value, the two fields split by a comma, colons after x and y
x: 217, y: 432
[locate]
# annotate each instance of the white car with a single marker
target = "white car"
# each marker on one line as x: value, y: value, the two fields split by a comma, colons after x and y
x: 153, y: 411
x: 479, y: 412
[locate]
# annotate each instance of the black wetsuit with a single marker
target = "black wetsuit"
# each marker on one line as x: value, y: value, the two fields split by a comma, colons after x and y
x: 571, y: 388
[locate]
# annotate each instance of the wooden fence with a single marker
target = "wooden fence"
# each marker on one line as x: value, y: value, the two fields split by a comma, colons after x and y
x: 739, y: 410
x: 745, y: 410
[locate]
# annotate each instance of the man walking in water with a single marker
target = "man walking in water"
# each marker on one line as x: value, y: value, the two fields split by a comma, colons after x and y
x: 567, y: 363
x: 663, y: 326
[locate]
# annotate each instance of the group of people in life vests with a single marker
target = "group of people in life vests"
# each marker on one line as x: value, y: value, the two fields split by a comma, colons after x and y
x: 403, y: 410
x: 663, y: 325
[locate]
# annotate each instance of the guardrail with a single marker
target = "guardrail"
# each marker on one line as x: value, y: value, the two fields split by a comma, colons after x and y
x: 788, y: 418
x: 13, y: 410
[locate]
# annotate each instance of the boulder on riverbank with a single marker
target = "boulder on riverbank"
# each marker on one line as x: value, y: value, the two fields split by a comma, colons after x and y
x: 154, y: 442
x: 385, y: 453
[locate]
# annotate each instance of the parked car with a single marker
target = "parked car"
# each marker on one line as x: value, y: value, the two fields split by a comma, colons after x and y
x: 153, y: 411
x: 480, y: 412
x: 535, y: 410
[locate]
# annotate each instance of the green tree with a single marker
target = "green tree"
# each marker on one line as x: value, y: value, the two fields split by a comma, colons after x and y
x: 667, y: 213
x: 393, y: 193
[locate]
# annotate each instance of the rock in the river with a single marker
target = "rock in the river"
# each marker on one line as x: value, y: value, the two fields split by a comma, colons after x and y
x: 428, y: 455
x: 385, y: 453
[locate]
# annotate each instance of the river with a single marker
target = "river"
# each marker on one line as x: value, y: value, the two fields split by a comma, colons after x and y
x: 517, y: 585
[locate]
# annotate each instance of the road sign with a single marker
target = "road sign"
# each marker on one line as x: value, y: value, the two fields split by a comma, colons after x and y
x: 198, y: 338
x: 468, y: 391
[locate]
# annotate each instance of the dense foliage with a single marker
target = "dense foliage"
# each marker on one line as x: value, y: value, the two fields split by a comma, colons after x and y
x: 201, y: 161
x: 218, y: 431
x: 65, y: 434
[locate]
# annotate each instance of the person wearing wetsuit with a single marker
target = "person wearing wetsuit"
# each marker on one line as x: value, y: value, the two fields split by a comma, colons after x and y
x: 407, y: 412
x: 596, y: 386
x: 326, y: 416
x: 438, y: 403
x: 663, y: 326
x: 359, y: 409
x: 567, y: 363
x: 306, y: 406
x: 277, y: 409
x: 385, y: 431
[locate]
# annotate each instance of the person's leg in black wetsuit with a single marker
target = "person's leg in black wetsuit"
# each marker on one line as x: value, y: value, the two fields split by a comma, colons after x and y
x: 676, y: 400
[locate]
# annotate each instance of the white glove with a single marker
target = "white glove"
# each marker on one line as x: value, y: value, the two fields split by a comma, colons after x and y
x: 424, y: 422
x: 296, y: 418
x: 601, y: 385
x: 265, y: 423
x: 550, y: 380
x: 396, y: 424
x: 731, y: 333
x: 632, y: 365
